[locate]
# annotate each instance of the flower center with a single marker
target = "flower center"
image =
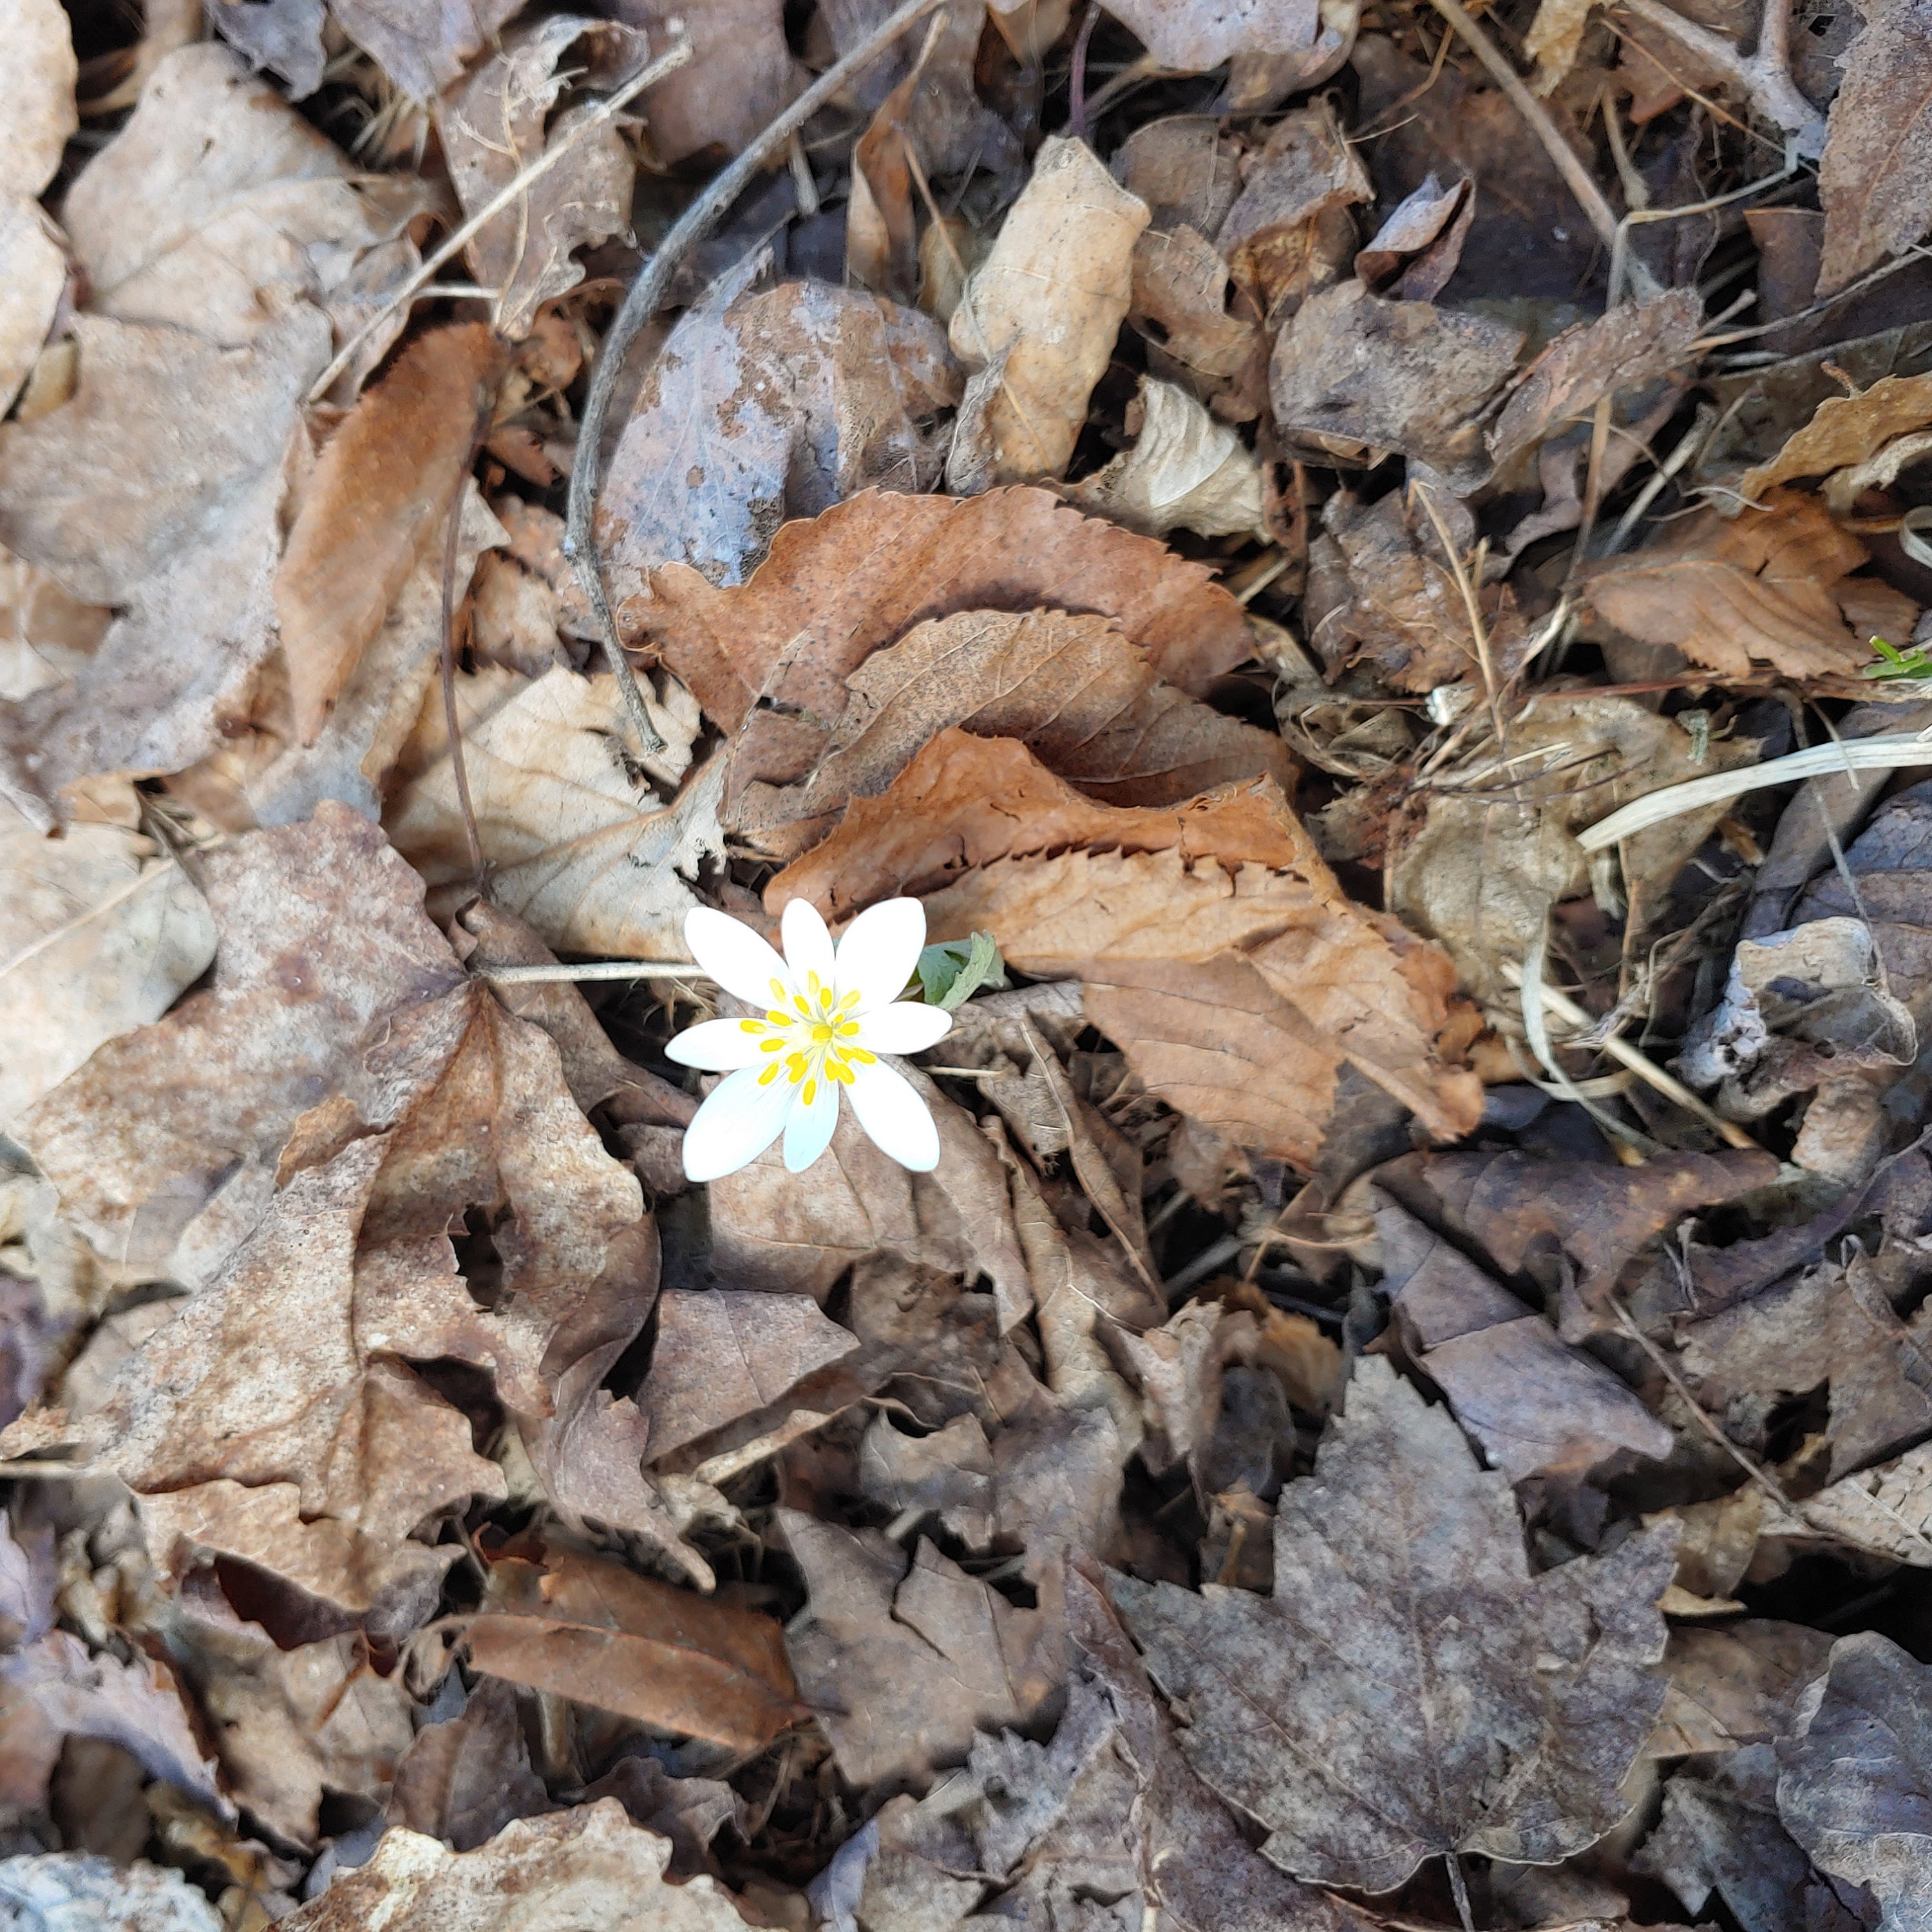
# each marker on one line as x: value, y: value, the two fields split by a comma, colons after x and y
x: 809, y: 1037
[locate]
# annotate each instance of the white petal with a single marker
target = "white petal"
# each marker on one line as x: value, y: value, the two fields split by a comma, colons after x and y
x: 891, y: 1112
x: 879, y: 951
x: 808, y: 945
x: 901, y: 1027
x: 735, y: 1125
x: 809, y: 1129
x: 734, y: 956
x: 719, y: 1045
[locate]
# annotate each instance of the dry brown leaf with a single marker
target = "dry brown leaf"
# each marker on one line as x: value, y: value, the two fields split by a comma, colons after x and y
x: 1192, y: 36
x: 1845, y: 431
x: 557, y: 1617
x: 1179, y: 306
x: 1887, y: 1507
x: 1393, y: 375
x: 1204, y: 975
x: 1185, y: 167
x: 1380, y: 589
x: 1289, y: 232
x: 384, y: 483
x: 1536, y: 1408
x: 1185, y: 471
x: 36, y: 96
x: 964, y: 801
x: 763, y: 406
x: 839, y: 587
x: 741, y: 73
x: 495, y: 122
x: 578, y: 844
x: 587, y: 1866
x: 465, y: 1778
x: 99, y: 932
x: 725, y: 1353
x: 1039, y: 318
x: 1763, y: 588
x: 423, y: 49
x: 1734, y: 1687
x: 1076, y: 689
x: 902, y: 1661
x: 164, y: 1146
x: 217, y: 206
x: 1875, y: 176
x: 1444, y: 1636
x: 1480, y: 874
x: 1553, y: 40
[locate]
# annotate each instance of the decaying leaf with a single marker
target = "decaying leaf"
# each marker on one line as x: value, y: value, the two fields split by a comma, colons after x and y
x: 1854, y: 1781
x: 1396, y: 1654
x: 588, y: 1866
x: 740, y: 75
x: 385, y: 481
x: 1768, y: 588
x: 579, y: 845
x: 557, y: 1617
x: 36, y: 97
x: 1192, y: 36
x: 1845, y: 431
x: 1875, y: 176
x: 1038, y: 319
x: 423, y: 51
x: 465, y: 1778
x: 1076, y: 690
x: 1185, y: 471
x: 839, y: 587
x: 494, y: 123
x: 1289, y: 233
x: 99, y: 932
x: 763, y: 406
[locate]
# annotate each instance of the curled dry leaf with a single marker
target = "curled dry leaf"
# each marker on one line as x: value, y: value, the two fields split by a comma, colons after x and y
x: 385, y: 483
x: 1076, y: 689
x: 1389, y: 1664
x: 1351, y: 368
x: 1766, y: 588
x: 1039, y: 318
x: 1845, y: 431
x: 963, y: 802
x: 464, y: 1778
x: 763, y: 406
x: 1237, y: 990
x: 1191, y: 36
x: 1185, y: 471
x: 740, y: 74
x: 1854, y: 1781
x: 423, y: 49
x: 1490, y: 859
x: 588, y: 1866
x: 494, y: 123
x: 1875, y: 176
x: 557, y: 1618
x: 1289, y: 232
x: 99, y: 932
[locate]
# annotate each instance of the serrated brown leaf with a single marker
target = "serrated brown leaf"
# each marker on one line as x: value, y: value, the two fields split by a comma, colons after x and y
x: 1875, y: 176
x: 385, y: 482
x: 836, y: 589
x: 964, y: 801
x: 1410, y: 1691
x: 557, y: 1618
x: 1084, y: 699
x: 1759, y: 590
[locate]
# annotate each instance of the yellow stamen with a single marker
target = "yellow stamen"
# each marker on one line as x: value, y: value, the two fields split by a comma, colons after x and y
x: 839, y: 1071
x: 851, y: 1001
x: 811, y: 1092
x: 777, y: 1018
x: 750, y: 1026
x: 770, y: 1074
x: 849, y: 1029
x: 860, y: 1053
x: 771, y: 1046
x: 780, y: 992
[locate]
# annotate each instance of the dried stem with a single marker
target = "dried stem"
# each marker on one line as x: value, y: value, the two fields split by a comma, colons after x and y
x: 1765, y: 75
x: 600, y: 969
x: 486, y: 403
x: 645, y: 298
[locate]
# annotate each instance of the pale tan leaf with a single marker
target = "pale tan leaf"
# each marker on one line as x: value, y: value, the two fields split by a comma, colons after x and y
x: 99, y: 934
x: 1039, y: 316
x: 1194, y: 35
x: 559, y: 1618
x: 423, y: 49
x: 33, y: 272
x: 1185, y: 471
x: 590, y: 1866
x: 1445, y: 1637
x: 1847, y: 431
x: 36, y: 95
x: 1554, y: 38
x: 579, y: 845
x: 1733, y: 593
x: 1074, y: 689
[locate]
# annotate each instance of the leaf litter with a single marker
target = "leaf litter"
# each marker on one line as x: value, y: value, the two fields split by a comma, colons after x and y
x: 1405, y: 1400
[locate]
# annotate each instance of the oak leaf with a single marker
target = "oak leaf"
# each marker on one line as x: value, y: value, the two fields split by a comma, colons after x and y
x: 1039, y: 318
x: 1766, y: 589
x: 1074, y: 689
x: 557, y: 1617
x: 1411, y: 1691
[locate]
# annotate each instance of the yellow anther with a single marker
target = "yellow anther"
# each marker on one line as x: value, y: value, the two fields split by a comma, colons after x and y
x: 839, y: 1071
x: 849, y: 1029
x: 777, y: 1018
x: 851, y: 1001
x: 750, y: 1026
x: 860, y: 1053
x: 770, y: 1074
x: 771, y: 1046
x: 811, y: 1092
x: 781, y: 992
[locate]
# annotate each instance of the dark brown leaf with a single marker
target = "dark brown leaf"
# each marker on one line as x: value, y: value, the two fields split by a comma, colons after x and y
x: 1875, y: 177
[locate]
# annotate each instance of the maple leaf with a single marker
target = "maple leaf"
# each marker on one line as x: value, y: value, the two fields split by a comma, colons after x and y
x: 1410, y: 1691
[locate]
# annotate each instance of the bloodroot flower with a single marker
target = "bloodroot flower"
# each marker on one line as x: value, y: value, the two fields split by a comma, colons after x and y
x: 829, y: 1014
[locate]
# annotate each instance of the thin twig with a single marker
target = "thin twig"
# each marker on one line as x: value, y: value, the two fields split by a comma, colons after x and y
x: 1577, y: 177
x: 668, y: 62
x: 1766, y: 75
x: 486, y: 403
x: 646, y: 297
x: 1479, y: 631
x: 600, y: 969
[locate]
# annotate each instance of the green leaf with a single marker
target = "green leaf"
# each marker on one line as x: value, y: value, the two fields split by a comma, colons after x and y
x: 1896, y: 663
x: 953, y: 970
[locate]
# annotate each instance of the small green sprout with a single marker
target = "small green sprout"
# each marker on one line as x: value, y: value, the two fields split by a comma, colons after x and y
x: 1894, y: 663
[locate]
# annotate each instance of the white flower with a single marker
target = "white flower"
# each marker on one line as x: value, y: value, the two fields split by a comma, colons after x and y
x: 829, y: 1014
